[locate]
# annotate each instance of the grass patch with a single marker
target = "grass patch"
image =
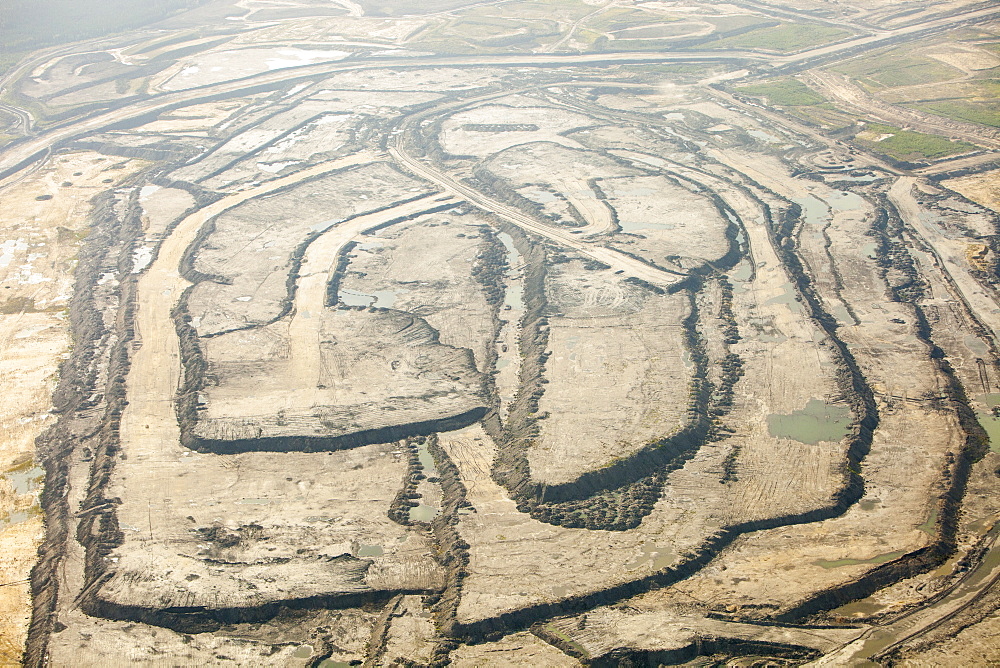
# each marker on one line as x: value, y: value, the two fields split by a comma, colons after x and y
x: 619, y: 18
x: 908, y: 146
x: 488, y: 35
x: 400, y: 7
x: 568, y: 10
x: 986, y: 113
x: 894, y: 68
x: 566, y: 639
x: 784, y: 92
x: 823, y: 115
x: 724, y: 24
x: 785, y: 37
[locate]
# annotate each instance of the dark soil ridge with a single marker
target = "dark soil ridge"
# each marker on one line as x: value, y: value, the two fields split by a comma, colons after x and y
x: 77, y: 392
x: 707, y: 645
x: 453, y: 551
x: 200, y: 619
x: 171, y: 153
x: 573, y: 504
x: 295, y: 259
x: 330, y: 443
x: 399, y: 507
x: 956, y: 473
x: 697, y: 558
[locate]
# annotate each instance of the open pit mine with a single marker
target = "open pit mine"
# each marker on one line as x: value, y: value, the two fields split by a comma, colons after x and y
x: 576, y: 332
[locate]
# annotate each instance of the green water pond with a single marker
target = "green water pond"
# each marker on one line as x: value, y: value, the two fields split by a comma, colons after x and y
x: 818, y: 421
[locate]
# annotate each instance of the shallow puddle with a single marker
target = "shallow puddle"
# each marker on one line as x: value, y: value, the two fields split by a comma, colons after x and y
x: 25, y: 479
x: 634, y: 226
x: 788, y: 298
x: 976, y: 345
x: 862, y: 608
x: 658, y: 557
x: 992, y: 426
x: 818, y: 421
x: 845, y: 201
x: 423, y: 513
x: 878, y: 559
x: 369, y: 551
x: 427, y: 461
x: 379, y: 298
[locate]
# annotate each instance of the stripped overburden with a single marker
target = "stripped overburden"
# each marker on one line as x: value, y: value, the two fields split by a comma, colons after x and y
x: 494, y: 334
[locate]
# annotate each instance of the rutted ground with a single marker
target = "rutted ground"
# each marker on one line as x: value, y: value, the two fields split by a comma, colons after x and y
x: 387, y: 360
x: 44, y: 222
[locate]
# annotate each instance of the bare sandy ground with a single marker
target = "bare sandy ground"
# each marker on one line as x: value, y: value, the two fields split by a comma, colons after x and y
x: 39, y: 239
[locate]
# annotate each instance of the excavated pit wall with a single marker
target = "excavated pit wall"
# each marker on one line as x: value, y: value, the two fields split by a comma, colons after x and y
x: 195, y: 366
x: 852, y: 384
x: 887, y: 228
x: 108, y: 246
x: 639, y: 489
x: 701, y: 646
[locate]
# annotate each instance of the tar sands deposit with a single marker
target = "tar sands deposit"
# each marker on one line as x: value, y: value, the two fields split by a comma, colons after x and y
x: 551, y: 333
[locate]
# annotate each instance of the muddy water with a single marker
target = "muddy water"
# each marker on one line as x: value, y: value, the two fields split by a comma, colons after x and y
x: 878, y: 559
x: 818, y: 421
x: 423, y: 513
x: 508, y: 363
x: 25, y: 480
x: 840, y: 200
x: 789, y: 298
x: 427, y: 461
x: 514, y: 296
x: 992, y: 426
x: 379, y: 298
x: 369, y: 551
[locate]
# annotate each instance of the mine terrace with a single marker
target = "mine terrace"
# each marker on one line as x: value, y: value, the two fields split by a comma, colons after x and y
x: 577, y: 332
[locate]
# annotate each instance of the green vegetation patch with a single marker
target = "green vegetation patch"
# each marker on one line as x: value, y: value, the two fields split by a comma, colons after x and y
x: 734, y: 22
x: 785, y: 37
x: 986, y: 113
x: 784, y: 92
x: 895, y: 67
x: 487, y: 35
x: 567, y: 10
x: 575, y: 646
x: 908, y: 146
x: 823, y: 115
x: 991, y: 424
x: 621, y: 18
x: 403, y: 7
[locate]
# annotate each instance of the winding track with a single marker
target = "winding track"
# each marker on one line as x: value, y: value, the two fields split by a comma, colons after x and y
x: 149, y: 423
x: 164, y: 272
x: 21, y: 154
x: 879, y: 641
x: 608, y: 256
